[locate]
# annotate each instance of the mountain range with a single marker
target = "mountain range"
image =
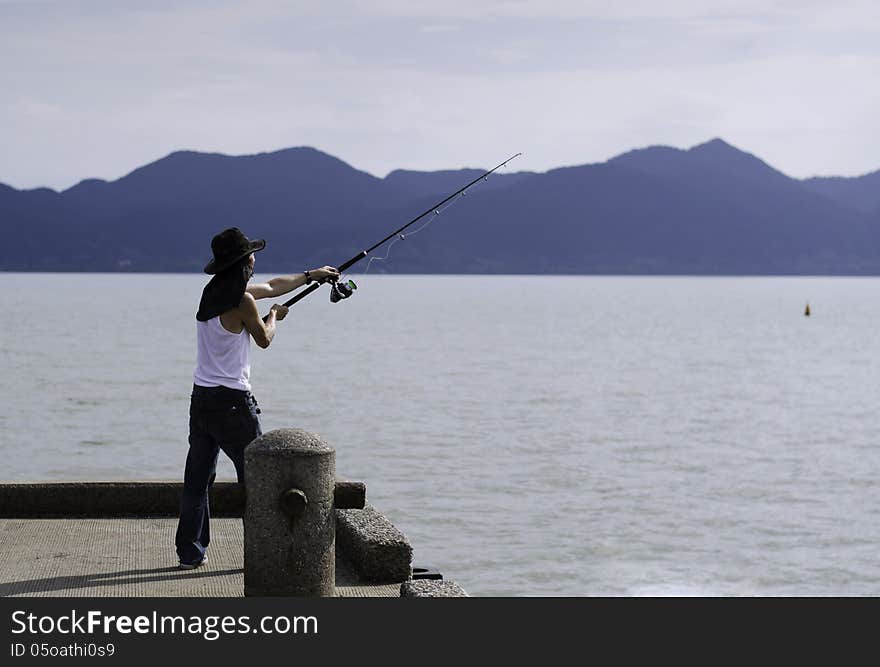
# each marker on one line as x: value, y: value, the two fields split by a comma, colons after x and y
x: 710, y: 209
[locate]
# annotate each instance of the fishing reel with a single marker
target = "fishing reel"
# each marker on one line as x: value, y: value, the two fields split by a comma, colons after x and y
x: 340, y: 291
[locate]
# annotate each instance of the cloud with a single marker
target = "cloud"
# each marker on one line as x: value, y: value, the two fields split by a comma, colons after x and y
x: 96, y: 89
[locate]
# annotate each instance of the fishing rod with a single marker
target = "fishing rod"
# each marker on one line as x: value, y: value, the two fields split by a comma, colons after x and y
x: 345, y: 290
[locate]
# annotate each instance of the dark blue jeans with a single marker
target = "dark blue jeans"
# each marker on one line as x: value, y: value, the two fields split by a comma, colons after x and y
x: 219, y: 418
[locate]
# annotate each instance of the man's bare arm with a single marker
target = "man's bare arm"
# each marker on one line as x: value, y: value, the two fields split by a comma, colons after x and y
x: 276, y: 286
x: 262, y: 332
x: 284, y: 284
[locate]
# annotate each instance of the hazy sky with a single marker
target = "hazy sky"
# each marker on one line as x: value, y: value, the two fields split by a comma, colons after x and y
x: 95, y: 88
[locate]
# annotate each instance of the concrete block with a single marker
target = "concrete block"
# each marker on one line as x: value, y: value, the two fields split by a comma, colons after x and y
x: 372, y: 545
x: 110, y: 499
x: 431, y: 588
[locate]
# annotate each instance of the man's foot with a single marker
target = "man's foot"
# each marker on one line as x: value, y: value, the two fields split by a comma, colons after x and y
x: 193, y: 566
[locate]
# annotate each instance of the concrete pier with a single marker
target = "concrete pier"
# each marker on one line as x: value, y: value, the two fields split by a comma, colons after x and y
x: 116, y: 539
x: 128, y: 557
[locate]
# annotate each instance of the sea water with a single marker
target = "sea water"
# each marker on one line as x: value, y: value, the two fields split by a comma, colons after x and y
x: 531, y: 435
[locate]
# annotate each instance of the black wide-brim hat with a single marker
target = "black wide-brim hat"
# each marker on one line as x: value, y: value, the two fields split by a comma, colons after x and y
x: 230, y: 246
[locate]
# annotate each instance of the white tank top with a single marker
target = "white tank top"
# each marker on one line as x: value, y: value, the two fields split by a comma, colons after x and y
x: 223, y: 358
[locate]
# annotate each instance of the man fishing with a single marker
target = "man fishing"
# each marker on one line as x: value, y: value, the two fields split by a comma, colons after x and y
x: 223, y: 412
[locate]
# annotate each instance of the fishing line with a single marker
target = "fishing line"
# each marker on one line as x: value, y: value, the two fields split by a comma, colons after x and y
x: 340, y: 290
x: 437, y: 212
x: 403, y: 237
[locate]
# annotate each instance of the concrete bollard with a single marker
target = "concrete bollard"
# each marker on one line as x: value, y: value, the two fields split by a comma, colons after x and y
x: 289, y: 517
